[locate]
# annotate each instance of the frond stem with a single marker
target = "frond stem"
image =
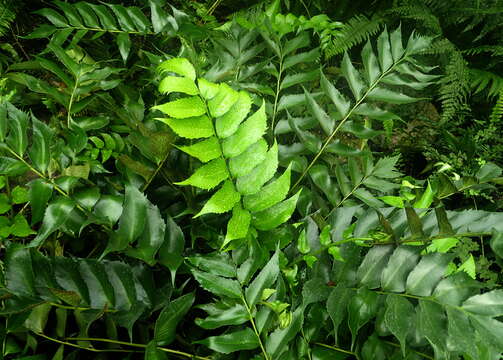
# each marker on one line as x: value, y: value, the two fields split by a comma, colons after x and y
x: 350, y: 112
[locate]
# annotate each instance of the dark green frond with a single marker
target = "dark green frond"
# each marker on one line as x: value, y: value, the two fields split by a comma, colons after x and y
x: 355, y: 31
x: 455, y: 86
x: 7, y: 16
x: 481, y: 80
x: 497, y: 112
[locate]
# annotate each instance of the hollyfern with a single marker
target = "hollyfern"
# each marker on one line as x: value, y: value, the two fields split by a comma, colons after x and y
x: 233, y: 151
x: 392, y: 66
x: 76, y: 21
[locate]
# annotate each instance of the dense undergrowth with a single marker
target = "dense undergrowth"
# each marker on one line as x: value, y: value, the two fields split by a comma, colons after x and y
x: 269, y: 180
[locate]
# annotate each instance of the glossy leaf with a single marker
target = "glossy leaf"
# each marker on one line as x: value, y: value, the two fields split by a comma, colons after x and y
x: 178, y: 66
x: 270, y: 194
x: 152, y: 237
x: 397, y: 318
x: 227, y: 124
x: 488, y: 304
x: 252, y: 182
x: 17, y: 138
x: 369, y: 272
x: 208, y: 176
x: 275, y: 215
x: 265, y: 279
x: 342, y: 104
x: 238, y: 225
x: 236, y: 315
x: 223, y: 101
x: 40, y: 153
x: 217, y: 264
x: 353, y: 77
x: 55, y: 216
x: 432, y: 321
x: 403, y: 260
x: 248, y: 133
x: 170, y: 316
x: 184, y: 85
x: 218, y: 285
x: 337, y: 304
x: 172, y: 248
x: 205, y: 150
x: 183, y: 108
x: 244, y: 163
x: 278, y: 340
x: 191, y: 127
x: 426, y: 275
x: 132, y: 221
x: 232, y: 342
x: 40, y: 193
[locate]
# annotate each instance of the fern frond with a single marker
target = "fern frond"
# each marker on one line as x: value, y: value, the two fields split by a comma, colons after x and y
x: 422, y: 14
x: 357, y: 30
x: 481, y: 80
x: 442, y: 46
x: 7, y: 16
x: 493, y: 50
x: 497, y: 111
x: 455, y: 86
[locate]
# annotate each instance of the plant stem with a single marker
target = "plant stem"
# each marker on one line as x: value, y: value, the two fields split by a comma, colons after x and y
x: 344, y: 119
x: 143, y: 346
x: 83, y: 347
x: 276, y: 96
x: 426, y: 356
x: 68, y: 307
x: 70, y: 103
x: 266, y: 356
x: 154, y: 174
x: 49, y: 180
x: 335, y: 348
x: 373, y: 243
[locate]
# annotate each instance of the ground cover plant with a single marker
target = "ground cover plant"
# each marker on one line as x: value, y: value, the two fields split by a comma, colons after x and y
x: 264, y: 180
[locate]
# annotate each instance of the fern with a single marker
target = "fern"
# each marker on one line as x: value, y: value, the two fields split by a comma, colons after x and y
x: 422, y: 14
x: 493, y: 50
x: 497, y: 111
x: 357, y: 30
x: 417, y: 299
x: 455, y: 86
x: 386, y: 71
x: 481, y: 80
x: 233, y: 151
x: 7, y: 16
x: 84, y: 18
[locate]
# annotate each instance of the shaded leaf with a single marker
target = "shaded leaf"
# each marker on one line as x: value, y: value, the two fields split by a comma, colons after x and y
x: 231, y: 342
x: 55, y: 216
x: 170, y: 316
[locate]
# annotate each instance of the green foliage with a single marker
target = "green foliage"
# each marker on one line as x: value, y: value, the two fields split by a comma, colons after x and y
x: 355, y: 31
x: 177, y: 185
x: 7, y: 16
x: 231, y: 138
